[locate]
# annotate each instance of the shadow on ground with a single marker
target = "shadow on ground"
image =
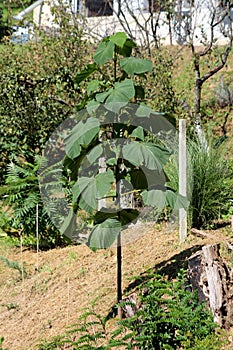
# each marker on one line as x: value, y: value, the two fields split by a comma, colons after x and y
x: 169, y: 267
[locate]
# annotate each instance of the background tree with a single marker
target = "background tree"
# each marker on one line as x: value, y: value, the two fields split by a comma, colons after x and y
x: 37, y: 90
x: 209, y: 53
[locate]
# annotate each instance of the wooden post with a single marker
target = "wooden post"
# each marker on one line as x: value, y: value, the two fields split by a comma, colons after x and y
x: 182, y: 178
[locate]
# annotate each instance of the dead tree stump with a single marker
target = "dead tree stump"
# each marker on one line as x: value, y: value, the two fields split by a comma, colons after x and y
x: 209, y: 274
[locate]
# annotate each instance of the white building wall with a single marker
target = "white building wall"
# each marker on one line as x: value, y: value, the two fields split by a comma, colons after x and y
x: 198, y: 16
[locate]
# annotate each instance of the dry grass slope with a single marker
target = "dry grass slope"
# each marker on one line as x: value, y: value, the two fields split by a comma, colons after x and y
x: 69, y: 279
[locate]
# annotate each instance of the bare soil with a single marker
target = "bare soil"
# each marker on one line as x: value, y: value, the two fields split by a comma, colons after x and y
x: 43, y: 303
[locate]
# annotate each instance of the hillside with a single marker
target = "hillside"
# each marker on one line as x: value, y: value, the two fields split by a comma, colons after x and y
x: 70, y: 279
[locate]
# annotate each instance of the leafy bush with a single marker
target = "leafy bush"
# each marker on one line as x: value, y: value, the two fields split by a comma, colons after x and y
x: 20, y: 196
x: 5, y: 28
x: 171, y: 316
x: 38, y: 90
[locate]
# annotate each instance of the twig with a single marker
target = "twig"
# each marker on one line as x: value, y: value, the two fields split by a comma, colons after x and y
x: 199, y: 233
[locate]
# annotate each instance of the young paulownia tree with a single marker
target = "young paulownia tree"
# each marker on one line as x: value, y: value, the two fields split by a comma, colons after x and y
x: 112, y: 155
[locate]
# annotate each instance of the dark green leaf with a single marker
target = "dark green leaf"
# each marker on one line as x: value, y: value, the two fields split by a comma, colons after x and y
x: 103, y: 235
x: 91, y: 189
x: 133, y: 65
x: 146, y: 154
x: 88, y: 70
x: 102, y: 215
x: 104, y: 52
x: 138, y: 179
x: 126, y: 216
x: 139, y: 92
x: 126, y: 50
x: 81, y: 135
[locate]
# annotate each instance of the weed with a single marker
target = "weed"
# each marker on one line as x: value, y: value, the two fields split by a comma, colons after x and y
x: 15, y: 265
x: 1, y: 342
x: 11, y: 306
x: 73, y: 256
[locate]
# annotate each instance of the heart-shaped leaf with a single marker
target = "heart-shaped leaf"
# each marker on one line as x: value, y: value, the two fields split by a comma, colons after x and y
x: 118, y: 39
x: 104, y: 52
x: 104, y: 234
x: 88, y: 190
x: 146, y: 154
x: 118, y: 96
x: 133, y: 65
x: 138, y: 133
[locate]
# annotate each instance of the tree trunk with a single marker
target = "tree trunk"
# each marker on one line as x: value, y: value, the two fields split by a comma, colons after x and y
x: 209, y: 274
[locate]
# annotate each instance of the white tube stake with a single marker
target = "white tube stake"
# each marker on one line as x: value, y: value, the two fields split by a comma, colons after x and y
x: 182, y: 178
x: 37, y: 238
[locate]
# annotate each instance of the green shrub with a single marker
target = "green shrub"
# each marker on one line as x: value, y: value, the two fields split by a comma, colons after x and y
x: 20, y: 196
x: 38, y: 90
x: 212, y: 184
x: 172, y: 317
x: 209, y: 182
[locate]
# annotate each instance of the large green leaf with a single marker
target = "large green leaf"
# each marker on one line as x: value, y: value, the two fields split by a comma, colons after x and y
x: 104, y: 214
x: 138, y: 179
x: 69, y: 225
x: 143, y: 111
x: 104, y: 52
x: 104, y: 234
x: 119, y: 39
x: 146, y: 154
x: 91, y: 189
x: 118, y: 96
x: 81, y: 135
x: 133, y: 65
x: 160, y: 198
x: 88, y: 70
x: 154, y: 198
x: 175, y: 200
